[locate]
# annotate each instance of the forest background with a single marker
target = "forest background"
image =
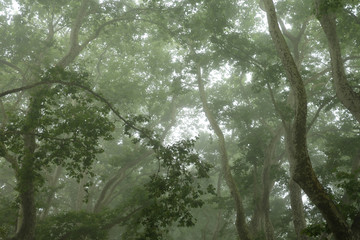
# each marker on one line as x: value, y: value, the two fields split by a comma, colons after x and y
x: 180, y: 119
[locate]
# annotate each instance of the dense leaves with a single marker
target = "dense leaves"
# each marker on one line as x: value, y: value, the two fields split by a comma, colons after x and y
x: 68, y: 124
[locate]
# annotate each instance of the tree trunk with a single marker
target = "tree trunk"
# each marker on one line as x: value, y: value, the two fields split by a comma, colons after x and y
x: 110, y: 186
x: 348, y: 97
x: 303, y: 172
x: 297, y: 209
x: 241, y: 225
x: 52, y: 189
x: 26, y: 176
x: 268, y: 183
x: 257, y: 220
x: 80, y: 194
x: 296, y: 203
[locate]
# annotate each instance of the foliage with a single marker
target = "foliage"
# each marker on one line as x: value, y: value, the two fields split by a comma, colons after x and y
x: 72, y: 225
x: 174, y: 190
x: 315, y: 230
x: 68, y: 128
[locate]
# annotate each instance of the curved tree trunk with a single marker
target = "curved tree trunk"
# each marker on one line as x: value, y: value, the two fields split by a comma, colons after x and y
x: 296, y: 203
x: 241, y: 224
x: 303, y: 172
x: 348, y: 97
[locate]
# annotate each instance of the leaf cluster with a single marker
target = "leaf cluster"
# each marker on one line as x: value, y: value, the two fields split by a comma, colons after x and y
x: 174, y: 190
x: 66, y: 123
x: 71, y: 226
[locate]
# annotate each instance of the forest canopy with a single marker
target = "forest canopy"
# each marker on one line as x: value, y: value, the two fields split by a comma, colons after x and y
x: 179, y: 119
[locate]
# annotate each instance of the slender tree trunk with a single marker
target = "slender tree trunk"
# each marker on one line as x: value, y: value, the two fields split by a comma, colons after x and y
x: 219, y: 219
x: 52, y: 189
x: 268, y: 183
x: 109, y: 187
x: 303, y: 172
x: 80, y: 194
x: 241, y: 224
x: 257, y: 220
x: 297, y: 209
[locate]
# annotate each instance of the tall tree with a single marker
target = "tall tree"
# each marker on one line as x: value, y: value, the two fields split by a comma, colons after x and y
x: 304, y: 173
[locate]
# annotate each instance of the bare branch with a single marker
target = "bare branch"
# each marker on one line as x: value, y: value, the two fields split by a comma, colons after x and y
x: 352, y: 15
x: 317, y: 113
x: 75, y: 46
x: 8, y: 157
x: 285, y: 31
x: 322, y: 72
x: 11, y: 65
x: 316, y: 76
x: 282, y: 117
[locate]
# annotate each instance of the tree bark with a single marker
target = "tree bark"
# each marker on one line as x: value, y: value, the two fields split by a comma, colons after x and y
x: 241, y: 225
x: 296, y: 203
x: 303, y: 172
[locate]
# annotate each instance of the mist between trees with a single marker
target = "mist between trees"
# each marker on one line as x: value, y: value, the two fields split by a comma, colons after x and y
x: 180, y: 119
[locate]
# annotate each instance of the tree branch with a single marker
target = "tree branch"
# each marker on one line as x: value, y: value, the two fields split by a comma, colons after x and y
x: 113, y: 182
x: 328, y: 69
x: 3, y: 112
x: 352, y: 15
x: 285, y: 31
x: 96, y: 95
x: 75, y: 46
x: 74, y: 49
x: 317, y: 113
x: 282, y: 117
x: 11, y: 65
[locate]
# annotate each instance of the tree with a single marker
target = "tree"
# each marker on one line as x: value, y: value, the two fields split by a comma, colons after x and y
x: 304, y: 174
